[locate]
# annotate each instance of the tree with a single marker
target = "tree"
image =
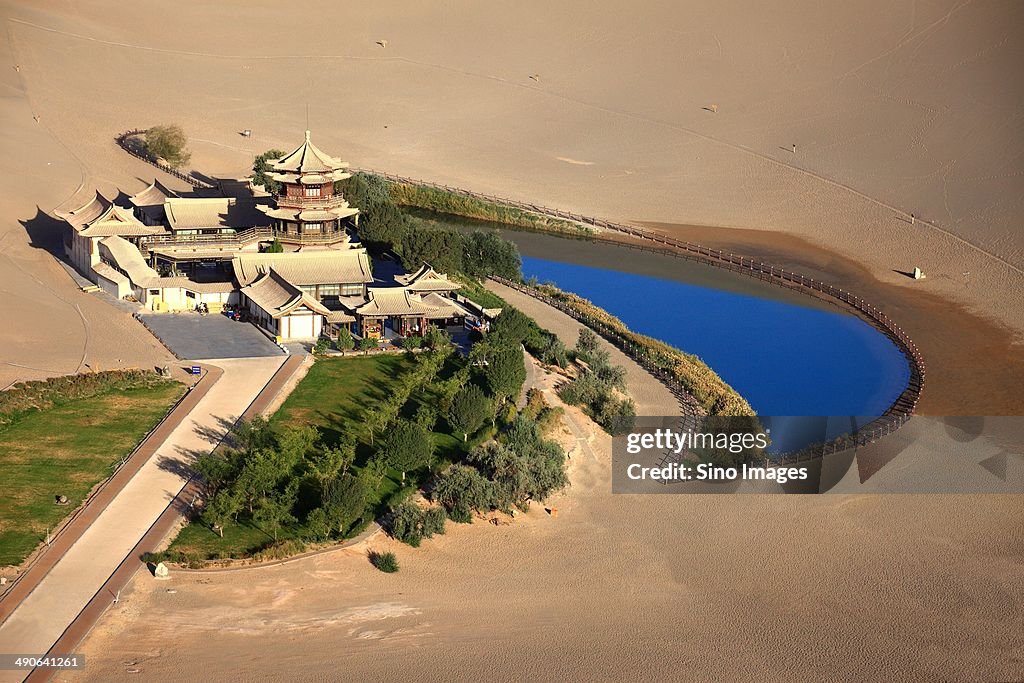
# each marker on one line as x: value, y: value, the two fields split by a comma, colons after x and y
x: 262, y: 166
x: 436, y: 338
x: 219, y: 509
x: 553, y: 352
x: 462, y: 488
x: 469, y: 410
x: 344, y: 502
x: 587, y: 343
x: 252, y: 435
x: 345, y: 341
x: 168, y: 143
x: 407, y: 446
x: 275, y: 247
x: 215, y: 470
x: 329, y: 462
x: 511, y: 327
x: 505, y: 373
x: 275, y: 511
x: 487, y: 253
x: 440, y: 247
x: 374, y: 472
x: 613, y: 376
x: 366, y: 343
x: 385, y: 562
x: 406, y: 524
x: 615, y: 415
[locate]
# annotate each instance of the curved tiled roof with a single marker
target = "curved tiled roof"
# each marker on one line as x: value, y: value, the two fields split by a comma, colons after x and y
x: 426, y: 279
x: 308, y: 158
x: 87, y: 213
x: 388, y: 301
x: 154, y: 195
x: 322, y: 267
x: 189, y: 213
x: 278, y: 297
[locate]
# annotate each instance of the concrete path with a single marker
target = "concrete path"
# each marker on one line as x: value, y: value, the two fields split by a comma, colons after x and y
x: 76, y: 578
x: 648, y: 393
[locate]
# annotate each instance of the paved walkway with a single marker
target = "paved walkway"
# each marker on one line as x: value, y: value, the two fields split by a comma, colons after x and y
x: 81, y: 573
x: 648, y: 393
x: 71, y: 529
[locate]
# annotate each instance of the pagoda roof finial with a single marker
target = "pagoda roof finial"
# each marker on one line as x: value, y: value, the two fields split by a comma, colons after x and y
x: 307, y: 136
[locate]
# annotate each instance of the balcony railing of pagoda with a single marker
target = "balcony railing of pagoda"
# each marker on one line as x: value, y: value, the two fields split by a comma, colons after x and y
x: 322, y: 238
x: 229, y: 239
x: 333, y: 200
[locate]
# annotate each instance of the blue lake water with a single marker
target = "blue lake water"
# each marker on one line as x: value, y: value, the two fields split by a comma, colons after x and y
x: 784, y: 358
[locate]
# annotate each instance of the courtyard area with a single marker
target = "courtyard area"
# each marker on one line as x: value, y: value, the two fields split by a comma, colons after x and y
x: 192, y: 336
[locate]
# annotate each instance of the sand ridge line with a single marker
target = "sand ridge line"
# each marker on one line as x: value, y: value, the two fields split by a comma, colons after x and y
x: 654, y: 121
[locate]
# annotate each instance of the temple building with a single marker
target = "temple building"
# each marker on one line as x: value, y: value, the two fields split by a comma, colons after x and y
x: 171, y: 251
x: 307, y: 207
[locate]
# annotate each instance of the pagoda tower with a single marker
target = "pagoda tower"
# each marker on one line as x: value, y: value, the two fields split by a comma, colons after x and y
x: 307, y: 209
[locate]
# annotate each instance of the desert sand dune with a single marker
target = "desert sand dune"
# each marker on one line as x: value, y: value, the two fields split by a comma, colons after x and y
x: 894, y: 107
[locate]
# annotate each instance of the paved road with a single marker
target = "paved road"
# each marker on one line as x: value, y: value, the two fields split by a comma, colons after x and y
x: 77, y: 577
x: 196, y: 337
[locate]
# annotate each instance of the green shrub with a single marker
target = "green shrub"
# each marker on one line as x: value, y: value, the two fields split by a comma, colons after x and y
x: 168, y: 143
x: 410, y: 343
x: 460, y: 515
x: 280, y: 550
x: 411, y: 524
x: 345, y: 341
x: 433, y: 521
x: 386, y: 562
x: 321, y: 346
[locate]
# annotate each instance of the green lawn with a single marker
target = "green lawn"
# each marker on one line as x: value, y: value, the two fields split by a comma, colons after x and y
x: 336, y: 392
x: 66, y: 449
x: 334, y: 396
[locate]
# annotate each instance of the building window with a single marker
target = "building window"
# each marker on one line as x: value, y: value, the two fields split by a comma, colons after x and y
x: 312, y: 227
x: 312, y: 191
x: 330, y: 290
x: 190, y: 295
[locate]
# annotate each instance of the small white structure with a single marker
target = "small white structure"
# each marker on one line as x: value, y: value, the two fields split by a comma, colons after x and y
x: 918, y: 274
x: 160, y: 571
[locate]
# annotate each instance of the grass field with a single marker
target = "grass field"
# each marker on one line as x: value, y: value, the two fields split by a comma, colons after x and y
x: 66, y: 449
x: 334, y: 396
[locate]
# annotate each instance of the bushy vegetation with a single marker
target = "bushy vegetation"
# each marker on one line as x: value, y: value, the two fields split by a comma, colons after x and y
x: 386, y: 562
x: 518, y: 467
x: 599, y: 387
x: 383, y: 226
x: 700, y: 381
x: 411, y: 524
x: 168, y: 143
x: 443, y: 201
x: 261, y: 168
